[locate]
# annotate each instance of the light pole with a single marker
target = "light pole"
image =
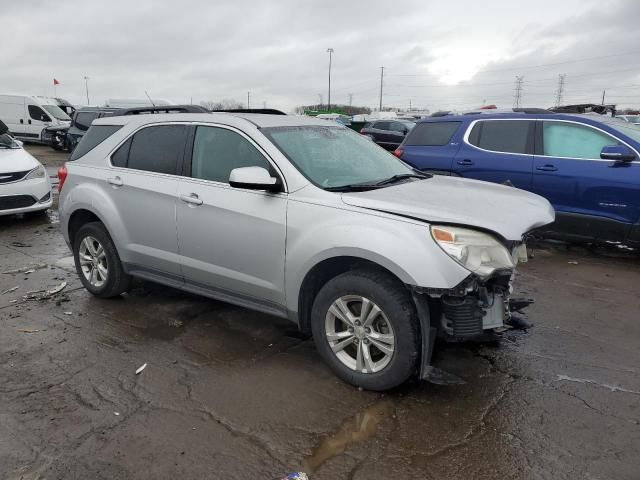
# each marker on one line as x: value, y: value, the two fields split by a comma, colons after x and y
x: 330, y: 52
x: 86, y: 87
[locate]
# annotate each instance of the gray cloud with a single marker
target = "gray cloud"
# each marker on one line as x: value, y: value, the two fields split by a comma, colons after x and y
x: 277, y: 50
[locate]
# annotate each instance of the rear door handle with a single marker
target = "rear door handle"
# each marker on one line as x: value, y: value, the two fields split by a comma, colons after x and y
x: 466, y: 161
x: 115, y: 181
x: 191, y: 199
x: 547, y: 168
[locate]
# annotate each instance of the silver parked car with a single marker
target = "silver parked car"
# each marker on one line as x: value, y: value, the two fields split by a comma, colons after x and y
x: 301, y: 219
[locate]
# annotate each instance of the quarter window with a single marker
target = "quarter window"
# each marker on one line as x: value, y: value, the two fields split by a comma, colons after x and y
x: 37, y: 113
x: 508, y: 136
x: 94, y: 137
x: 83, y: 119
x: 217, y: 151
x: 158, y: 149
x: 562, y: 139
x: 381, y: 125
x: 432, y: 134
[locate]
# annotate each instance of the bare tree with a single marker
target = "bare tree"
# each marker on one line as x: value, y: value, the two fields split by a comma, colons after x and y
x: 224, y: 104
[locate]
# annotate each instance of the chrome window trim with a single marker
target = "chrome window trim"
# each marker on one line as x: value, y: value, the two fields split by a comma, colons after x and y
x: 465, y: 138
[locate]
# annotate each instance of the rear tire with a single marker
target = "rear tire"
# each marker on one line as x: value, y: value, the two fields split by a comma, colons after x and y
x: 98, y: 263
x: 377, y: 349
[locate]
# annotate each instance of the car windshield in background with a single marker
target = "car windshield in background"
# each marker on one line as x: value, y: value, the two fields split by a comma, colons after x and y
x: 333, y: 157
x: 629, y: 129
x: 7, y: 142
x: 56, y: 112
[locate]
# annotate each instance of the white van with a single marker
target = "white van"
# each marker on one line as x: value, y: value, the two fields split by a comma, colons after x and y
x: 27, y: 116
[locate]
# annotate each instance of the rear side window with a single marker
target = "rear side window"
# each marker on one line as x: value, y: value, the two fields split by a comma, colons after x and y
x: 83, y: 119
x: 94, y: 137
x: 158, y: 149
x: 509, y: 136
x: 432, y: 134
x: 381, y: 125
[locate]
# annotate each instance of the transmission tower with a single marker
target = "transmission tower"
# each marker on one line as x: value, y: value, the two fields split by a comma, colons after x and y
x: 560, y: 91
x: 517, y: 92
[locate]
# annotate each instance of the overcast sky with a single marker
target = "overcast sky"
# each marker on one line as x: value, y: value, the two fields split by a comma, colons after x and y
x: 436, y: 54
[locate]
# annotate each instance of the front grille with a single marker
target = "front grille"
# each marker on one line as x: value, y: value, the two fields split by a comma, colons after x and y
x: 10, y: 202
x: 12, y: 177
x: 463, y: 315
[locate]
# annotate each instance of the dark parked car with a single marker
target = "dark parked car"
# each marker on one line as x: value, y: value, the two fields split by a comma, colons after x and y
x: 586, y: 165
x: 388, y: 134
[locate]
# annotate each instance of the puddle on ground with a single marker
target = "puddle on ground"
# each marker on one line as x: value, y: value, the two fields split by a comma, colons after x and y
x: 357, y: 429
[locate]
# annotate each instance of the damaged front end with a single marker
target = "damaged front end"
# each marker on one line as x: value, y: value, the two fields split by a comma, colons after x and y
x: 480, y: 307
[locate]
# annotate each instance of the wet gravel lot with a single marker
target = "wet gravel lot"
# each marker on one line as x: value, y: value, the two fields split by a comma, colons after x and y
x: 229, y: 393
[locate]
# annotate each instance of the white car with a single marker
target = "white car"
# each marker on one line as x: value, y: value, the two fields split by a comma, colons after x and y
x: 24, y: 183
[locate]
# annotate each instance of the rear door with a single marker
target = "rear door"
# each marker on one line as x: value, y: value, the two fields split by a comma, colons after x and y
x: 587, y: 192
x: 432, y: 146
x: 143, y: 185
x: 498, y: 150
x: 232, y: 240
x: 396, y: 134
x: 380, y: 133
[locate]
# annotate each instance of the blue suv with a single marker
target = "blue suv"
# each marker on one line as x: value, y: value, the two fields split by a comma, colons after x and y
x: 586, y: 165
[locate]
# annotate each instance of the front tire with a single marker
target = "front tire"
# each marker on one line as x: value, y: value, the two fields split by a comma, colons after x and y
x: 98, y: 263
x: 365, y: 327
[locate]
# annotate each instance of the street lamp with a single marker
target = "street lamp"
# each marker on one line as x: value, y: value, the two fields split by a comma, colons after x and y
x: 329, y: 51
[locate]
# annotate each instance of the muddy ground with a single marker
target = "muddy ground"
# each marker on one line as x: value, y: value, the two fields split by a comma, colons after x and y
x: 229, y: 393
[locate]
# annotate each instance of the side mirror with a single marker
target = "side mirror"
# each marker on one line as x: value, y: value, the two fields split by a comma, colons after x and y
x: 618, y: 153
x: 254, y: 178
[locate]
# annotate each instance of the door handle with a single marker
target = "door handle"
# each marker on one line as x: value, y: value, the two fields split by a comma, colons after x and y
x: 191, y: 199
x: 29, y: 122
x: 115, y: 181
x: 547, y: 168
x: 466, y: 161
x: 21, y: 121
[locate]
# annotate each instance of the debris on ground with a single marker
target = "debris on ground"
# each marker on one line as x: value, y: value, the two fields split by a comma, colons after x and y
x: 45, y: 294
x: 28, y: 330
x: 9, y: 290
x: 139, y: 370
x: 19, y: 244
x: 518, y: 323
x: 296, y: 476
x: 117, y: 414
x: 26, y: 269
x: 68, y: 313
x: 572, y: 262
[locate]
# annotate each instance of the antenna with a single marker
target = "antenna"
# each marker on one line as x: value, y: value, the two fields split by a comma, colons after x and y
x: 154, y: 105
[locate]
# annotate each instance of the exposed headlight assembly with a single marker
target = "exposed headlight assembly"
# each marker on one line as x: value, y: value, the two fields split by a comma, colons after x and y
x: 38, y: 172
x: 476, y: 251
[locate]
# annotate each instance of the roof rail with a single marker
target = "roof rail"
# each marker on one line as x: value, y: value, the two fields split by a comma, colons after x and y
x: 264, y: 111
x: 161, y: 109
x: 533, y: 110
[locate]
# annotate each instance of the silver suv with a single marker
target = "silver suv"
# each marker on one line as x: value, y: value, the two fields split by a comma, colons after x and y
x: 302, y: 219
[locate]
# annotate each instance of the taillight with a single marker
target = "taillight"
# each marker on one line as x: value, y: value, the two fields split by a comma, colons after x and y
x: 62, y: 176
x: 362, y: 130
x: 398, y: 152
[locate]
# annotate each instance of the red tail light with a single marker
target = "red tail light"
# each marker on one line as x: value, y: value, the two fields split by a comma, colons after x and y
x: 398, y: 152
x: 62, y: 176
x: 362, y: 130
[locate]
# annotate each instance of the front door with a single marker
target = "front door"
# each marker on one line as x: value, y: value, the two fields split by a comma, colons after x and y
x: 231, y: 240
x: 592, y: 196
x: 37, y: 120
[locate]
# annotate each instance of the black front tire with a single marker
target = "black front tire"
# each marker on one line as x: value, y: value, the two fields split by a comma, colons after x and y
x: 117, y: 281
x: 391, y: 296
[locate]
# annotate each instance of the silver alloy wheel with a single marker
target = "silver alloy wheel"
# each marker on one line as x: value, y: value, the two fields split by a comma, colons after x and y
x: 359, y: 333
x: 93, y: 261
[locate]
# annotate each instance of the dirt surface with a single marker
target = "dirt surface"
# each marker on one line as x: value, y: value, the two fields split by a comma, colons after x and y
x: 229, y: 393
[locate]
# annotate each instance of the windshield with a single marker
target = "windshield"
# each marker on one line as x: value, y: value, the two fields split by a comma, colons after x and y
x: 56, y: 112
x: 629, y: 129
x: 6, y: 141
x: 335, y: 156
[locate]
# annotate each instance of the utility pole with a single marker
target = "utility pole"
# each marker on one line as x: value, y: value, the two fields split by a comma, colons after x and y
x: 381, y: 79
x: 248, y: 103
x: 603, y: 92
x: 321, y: 98
x: 409, y: 104
x: 560, y: 91
x: 351, y: 99
x: 517, y: 95
x: 86, y: 87
x: 330, y: 52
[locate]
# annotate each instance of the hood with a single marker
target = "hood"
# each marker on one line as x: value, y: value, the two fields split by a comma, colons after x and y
x: 16, y: 160
x: 507, y: 211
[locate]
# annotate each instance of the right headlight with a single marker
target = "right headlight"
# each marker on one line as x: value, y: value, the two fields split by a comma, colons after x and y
x: 476, y: 251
